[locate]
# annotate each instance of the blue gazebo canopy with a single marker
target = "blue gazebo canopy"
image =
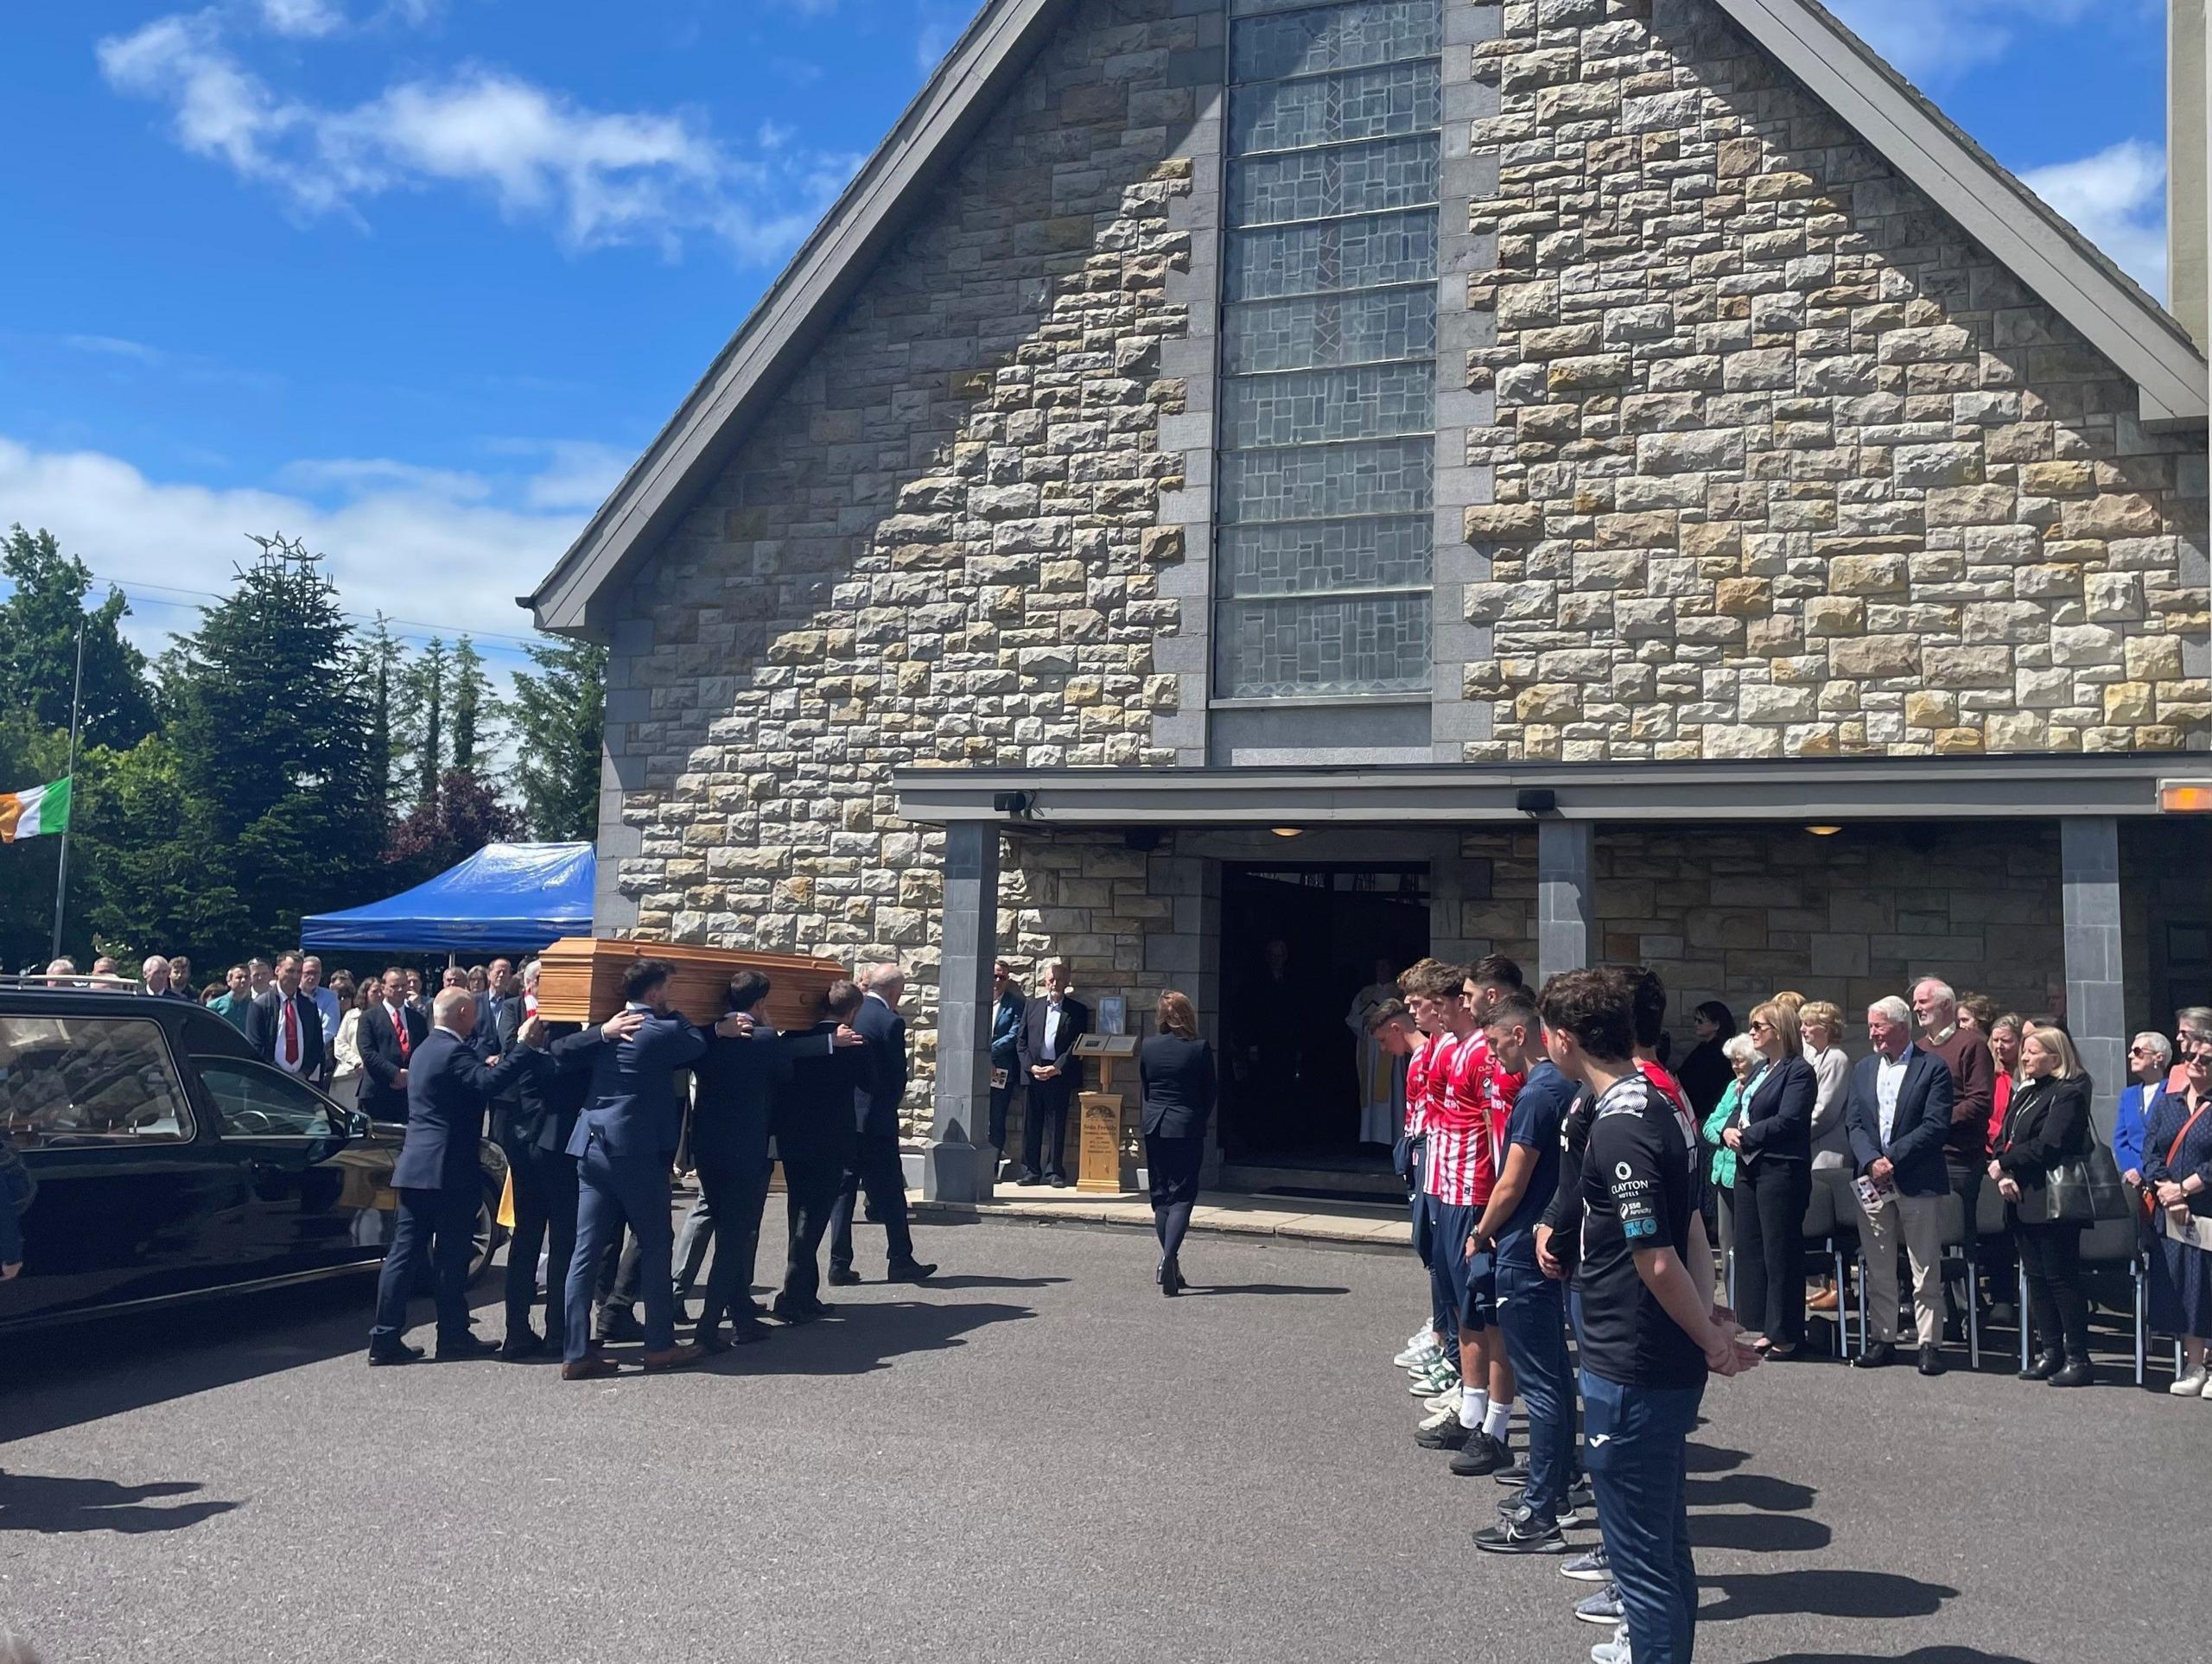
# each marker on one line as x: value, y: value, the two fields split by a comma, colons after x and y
x: 516, y: 896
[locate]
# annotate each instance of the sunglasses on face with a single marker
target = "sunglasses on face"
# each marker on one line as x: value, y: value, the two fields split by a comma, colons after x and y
x: 1758, y: 1027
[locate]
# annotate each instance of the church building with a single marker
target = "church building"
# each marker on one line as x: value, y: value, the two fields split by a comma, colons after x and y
x: 1236, y: 490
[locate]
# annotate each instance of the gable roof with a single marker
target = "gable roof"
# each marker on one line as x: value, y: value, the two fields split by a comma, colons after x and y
x: 2062, y: 267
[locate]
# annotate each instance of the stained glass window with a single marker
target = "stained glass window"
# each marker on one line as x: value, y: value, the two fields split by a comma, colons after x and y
x: 1326, y: 489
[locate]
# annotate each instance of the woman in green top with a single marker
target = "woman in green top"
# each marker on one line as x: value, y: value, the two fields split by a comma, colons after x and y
x: 1744, y: 1059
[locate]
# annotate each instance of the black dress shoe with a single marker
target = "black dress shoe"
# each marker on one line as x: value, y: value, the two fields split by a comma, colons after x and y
x: 2077, y: 1372
x: 1027, y: 1179
x: 1059, y: 1181
x: 386, y: 1357
x: 1170, y: 1280
x: 1880, y: 1356
x: 793, y: 1310
x: 619, y: 1324
x: 843, y: 1276
x: 461, y: 1348
x: 519, y: 1345
x: 1931, y: 1361
x: 747, y: 1333
x: 908, y: 1271
x: 2043, y: 1368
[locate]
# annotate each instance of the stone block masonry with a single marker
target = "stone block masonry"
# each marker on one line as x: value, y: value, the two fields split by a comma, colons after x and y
x: 942, y: 544
x: 1784, y: 464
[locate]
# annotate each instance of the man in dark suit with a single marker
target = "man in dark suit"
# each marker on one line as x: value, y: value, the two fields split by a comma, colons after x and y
x: 1052, y: 1075
x: 875, y: 1167
x: 439, y: 1183
x: 1898, y: 1119
x: 811, y: 1113
x: 390, y: 1033
x: 284, y: 1028
x: 623, y: 1141
x: 492, y: 1005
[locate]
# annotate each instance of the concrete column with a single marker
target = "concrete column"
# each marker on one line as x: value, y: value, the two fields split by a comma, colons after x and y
x: 959, y: 1165
x: 2096, y: 1007
x: 1567, y: 896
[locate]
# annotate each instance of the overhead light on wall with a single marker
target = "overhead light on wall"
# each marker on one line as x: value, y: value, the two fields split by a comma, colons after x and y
x: 2185, y: 796
x: 1288, y: 831
x: 1824, y: 831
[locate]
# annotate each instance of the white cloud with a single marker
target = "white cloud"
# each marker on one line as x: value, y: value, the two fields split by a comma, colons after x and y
x: 425, y: 545
x: 115, y: 347
x: 2118, y: 199
x: 1927, y: 41
x: 356, y: 476
x: 600, y: 177
x: 306, y: 20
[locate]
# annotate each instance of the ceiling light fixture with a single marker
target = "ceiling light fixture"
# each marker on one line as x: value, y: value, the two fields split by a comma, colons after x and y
x: 1286, y: 831
x: 1824, y: 831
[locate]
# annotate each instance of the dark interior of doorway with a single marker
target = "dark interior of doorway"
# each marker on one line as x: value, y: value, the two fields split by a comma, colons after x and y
x: 1290, y: 1090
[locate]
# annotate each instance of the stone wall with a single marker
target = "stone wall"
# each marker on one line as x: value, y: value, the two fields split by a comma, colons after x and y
x: 1784, y: 464
x: 940, y: 544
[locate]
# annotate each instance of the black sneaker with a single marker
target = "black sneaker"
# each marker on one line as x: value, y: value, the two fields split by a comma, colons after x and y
x: 1482, y: 1454
x: 1524, y: 1531
x: 1516, y: 1474
x: 1449, y: 1436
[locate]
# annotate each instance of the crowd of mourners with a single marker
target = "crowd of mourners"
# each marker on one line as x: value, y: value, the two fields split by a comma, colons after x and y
x: 1564, y: 1181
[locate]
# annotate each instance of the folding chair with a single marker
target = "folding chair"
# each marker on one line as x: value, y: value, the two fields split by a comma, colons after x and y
x: 1823, y: 1236
x: 2111, y: 1243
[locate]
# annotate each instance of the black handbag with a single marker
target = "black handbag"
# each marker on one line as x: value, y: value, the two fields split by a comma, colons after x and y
x: 2078, y: 1191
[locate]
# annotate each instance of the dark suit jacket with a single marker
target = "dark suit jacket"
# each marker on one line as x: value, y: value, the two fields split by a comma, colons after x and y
x: 632, y: 1106
x: 266, y: 1022
x: 540, y: 1111
x: 447, y: 1086
x: 1075, y: 1023
x: 2047, y: 1121
x: 1916, y: 1134
x: 381, y: 1060
x: 738, y: 1083
x: 1179, y: 1081
x: 883, y: 1079
x: 1778, y: 1116
x: 810, y: 1110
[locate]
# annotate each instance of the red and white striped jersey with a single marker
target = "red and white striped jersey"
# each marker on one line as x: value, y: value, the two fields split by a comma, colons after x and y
x: 1462, y: 1166
x: 1418, y: 1070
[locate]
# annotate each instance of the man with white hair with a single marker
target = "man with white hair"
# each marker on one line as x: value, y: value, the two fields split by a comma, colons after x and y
x: 1898, y: 1121
x: 1966, y: 1053
x: 875, y: 1166
x: 155, y: 974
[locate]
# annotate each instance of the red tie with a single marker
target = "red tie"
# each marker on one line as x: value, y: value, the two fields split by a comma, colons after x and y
x: 291, y: 1033
x: 399, y: 1026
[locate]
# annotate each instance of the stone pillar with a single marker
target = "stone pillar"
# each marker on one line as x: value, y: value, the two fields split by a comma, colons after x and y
x: 2096, y: 1007
x: 959, y: 1163
x: 1567, y: 896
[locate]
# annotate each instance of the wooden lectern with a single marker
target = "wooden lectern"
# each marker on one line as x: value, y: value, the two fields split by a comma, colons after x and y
x: 1102, y: 1166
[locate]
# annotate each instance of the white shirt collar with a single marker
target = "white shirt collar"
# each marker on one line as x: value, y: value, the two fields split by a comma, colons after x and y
x: 879, y: 999
x: 441, y: 1028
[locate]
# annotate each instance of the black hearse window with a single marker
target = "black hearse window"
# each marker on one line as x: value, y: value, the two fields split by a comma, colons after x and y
x: 73, y: 1080
x: 257, y: 1101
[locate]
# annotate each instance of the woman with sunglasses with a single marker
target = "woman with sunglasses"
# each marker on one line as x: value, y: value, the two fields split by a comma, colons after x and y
x: 1772, y: 1138
x: 2148, y: 1058
x: 2047, y: 1123
x: 2177, y: 1183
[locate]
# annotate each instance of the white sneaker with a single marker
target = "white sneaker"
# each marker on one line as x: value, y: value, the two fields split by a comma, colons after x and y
x: 1614, y: 1651
x: 1440, y: 1417
x: 2191, y: 1385
x: 1445, y: 1401
x: 1417, y: 1357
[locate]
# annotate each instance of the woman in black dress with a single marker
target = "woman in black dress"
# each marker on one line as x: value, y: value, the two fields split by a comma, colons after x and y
x: 1176, y: 1069
x: 1772, y: 1137
x: 2047, y: 1122
x: 1706, y: 1074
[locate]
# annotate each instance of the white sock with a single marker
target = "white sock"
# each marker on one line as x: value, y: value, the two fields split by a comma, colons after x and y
x: 1495, y: 1421
x: 1474, y: 1405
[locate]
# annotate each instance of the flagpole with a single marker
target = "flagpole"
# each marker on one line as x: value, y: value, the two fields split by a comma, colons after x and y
x: 76, y: 707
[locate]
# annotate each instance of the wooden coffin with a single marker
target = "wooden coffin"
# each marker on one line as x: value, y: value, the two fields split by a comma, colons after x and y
x: 581, y: 980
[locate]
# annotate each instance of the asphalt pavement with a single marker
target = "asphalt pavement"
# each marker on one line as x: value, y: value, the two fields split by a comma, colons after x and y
x: 1036, y: 1457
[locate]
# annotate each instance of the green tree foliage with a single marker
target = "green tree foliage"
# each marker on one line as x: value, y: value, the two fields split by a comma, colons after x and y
x: 424, y: 722
x: 474, y: 710
x: 38, y: 645
x: 559, y: 721
x: 273, y: 766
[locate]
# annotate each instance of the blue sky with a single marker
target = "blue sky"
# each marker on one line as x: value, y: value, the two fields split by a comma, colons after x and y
x: 418, y: 278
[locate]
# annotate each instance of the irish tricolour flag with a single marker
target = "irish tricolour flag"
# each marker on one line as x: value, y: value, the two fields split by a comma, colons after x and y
x: 26, y: 814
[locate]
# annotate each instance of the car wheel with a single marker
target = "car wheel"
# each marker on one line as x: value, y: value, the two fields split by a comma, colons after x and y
x: 485, y: 1238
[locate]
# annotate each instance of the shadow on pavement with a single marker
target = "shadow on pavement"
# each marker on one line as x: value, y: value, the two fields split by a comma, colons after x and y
x: 858, y: 1339
x: 959, y: 1280
x: 1822, y: 1594
x: 1759, y: 1491
x: 1758, y: 1533
x: 1712, y: 1459
x: 1925, y: 1655
x: 1261, y: 1288
x: 68, y: 1375
x: 48, y: 1504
